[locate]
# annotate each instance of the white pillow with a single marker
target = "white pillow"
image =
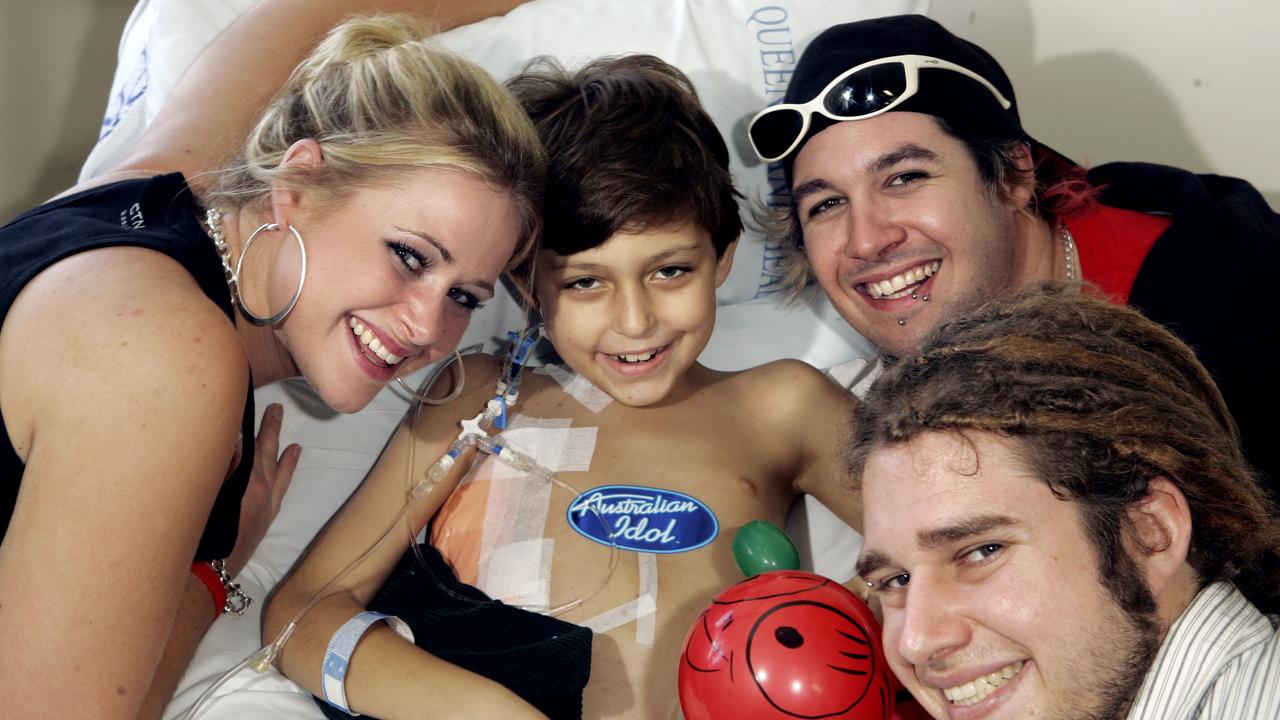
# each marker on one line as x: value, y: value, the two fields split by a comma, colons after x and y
x: 739, y: 54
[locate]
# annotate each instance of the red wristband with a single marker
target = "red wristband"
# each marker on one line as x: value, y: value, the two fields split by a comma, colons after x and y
x: 209, y: 577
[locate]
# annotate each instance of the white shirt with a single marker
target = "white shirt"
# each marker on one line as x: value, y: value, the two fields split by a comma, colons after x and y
x: 1221, y: 659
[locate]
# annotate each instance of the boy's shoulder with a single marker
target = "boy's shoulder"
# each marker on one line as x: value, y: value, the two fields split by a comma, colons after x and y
x: 789, y: 377
x: 784, y: 388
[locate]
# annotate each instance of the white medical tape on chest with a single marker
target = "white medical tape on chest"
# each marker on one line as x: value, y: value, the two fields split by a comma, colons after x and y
x: 577, y: 387
x: 515, y: 555
x: 646, y: 625
x: 620, y: 615
x: 643, y: 610
x: 519, y: 421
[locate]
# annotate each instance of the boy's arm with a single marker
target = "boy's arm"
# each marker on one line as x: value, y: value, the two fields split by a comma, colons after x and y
x: 818, y: 414
x: 220, y: 97
x: 389, y: 676
x: 829, y: 409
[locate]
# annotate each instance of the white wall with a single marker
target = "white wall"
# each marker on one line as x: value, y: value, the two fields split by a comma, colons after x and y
x: 1180, y: 82
x: 56, y: 61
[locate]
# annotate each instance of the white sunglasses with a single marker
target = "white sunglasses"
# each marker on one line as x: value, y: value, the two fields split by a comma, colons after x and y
x: 861, y: 92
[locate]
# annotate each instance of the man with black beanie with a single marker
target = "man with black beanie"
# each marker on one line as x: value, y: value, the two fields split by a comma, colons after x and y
x: 916, y: 195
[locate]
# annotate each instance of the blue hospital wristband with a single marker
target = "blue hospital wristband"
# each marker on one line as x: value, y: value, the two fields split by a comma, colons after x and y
x: 342, y: 645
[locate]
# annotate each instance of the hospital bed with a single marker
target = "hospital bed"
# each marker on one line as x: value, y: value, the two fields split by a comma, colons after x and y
x: 738, y: 53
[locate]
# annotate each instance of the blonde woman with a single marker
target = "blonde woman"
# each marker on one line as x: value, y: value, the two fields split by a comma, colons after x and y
x: 367, y: 214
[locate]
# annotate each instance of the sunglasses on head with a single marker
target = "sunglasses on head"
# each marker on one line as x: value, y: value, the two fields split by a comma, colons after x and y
x: 864, y: 91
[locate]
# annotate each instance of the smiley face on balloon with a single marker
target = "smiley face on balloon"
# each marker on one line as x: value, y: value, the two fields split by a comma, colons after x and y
x: 785, y: 644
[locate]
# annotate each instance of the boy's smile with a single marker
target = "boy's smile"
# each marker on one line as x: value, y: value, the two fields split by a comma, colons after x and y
x: 638, y: 364
x: 632, y: 315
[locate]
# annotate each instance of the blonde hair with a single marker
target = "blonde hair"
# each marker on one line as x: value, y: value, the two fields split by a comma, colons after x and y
x: 380, y: 99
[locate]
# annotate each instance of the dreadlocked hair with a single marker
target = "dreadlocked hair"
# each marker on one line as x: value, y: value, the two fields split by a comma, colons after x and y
x: 1101, y: 401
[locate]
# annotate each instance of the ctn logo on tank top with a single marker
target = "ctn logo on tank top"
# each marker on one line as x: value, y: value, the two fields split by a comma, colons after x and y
x: 643, y: 519
x: 131, y: 217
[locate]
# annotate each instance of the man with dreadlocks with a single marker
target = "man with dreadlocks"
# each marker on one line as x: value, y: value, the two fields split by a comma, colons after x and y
x: 1060, y: 522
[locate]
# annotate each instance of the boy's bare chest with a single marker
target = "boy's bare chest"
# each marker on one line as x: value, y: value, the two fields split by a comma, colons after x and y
x: 698, y: 455
x: 707, y: 442
x: 672, y: 487
x: 673, y: 490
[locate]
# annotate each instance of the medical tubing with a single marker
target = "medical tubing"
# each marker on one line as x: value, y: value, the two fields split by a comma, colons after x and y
x: 204, y: 697
x: 526, y: 464
x: 429, y: 382
x: 262, y: 658
x: 439, y: 470
x: 506, y: 394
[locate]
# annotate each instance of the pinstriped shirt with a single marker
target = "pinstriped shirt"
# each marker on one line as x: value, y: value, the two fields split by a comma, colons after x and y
x: 1221, y: 659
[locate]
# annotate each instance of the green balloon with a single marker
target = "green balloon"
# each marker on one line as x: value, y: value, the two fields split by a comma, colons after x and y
x: 760, y: 546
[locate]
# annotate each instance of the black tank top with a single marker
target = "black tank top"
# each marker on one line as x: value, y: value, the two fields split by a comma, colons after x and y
x: 158, y: 213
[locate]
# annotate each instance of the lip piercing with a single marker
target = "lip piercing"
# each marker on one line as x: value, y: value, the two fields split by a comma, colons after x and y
x: 902, y: 321
x: 925, y: 298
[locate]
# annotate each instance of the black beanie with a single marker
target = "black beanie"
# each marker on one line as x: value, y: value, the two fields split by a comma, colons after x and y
x: 961, y: 101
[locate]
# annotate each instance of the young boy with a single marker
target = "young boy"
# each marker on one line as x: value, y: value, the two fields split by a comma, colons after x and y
x: 641, y: 222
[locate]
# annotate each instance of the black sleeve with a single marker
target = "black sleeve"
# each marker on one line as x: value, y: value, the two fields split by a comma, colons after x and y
x: 1209, y: 278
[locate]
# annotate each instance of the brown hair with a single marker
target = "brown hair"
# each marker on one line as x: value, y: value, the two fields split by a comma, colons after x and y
x: 1102, y: 401
x: 1059, y: 188
x: 629, y: 149
x: 379, y: 98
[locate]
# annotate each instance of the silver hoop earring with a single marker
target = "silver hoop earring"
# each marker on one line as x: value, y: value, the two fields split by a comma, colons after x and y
x: 302, y: 277
x: 459, y: 380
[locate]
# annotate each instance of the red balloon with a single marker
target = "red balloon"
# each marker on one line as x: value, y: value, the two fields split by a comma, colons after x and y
x: 785, y: 644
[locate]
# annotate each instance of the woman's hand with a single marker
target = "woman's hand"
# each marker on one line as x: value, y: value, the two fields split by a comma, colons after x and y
x: 272, y: 473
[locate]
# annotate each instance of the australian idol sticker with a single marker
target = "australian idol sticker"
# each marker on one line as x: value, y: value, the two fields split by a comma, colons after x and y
x: 644, y: 519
